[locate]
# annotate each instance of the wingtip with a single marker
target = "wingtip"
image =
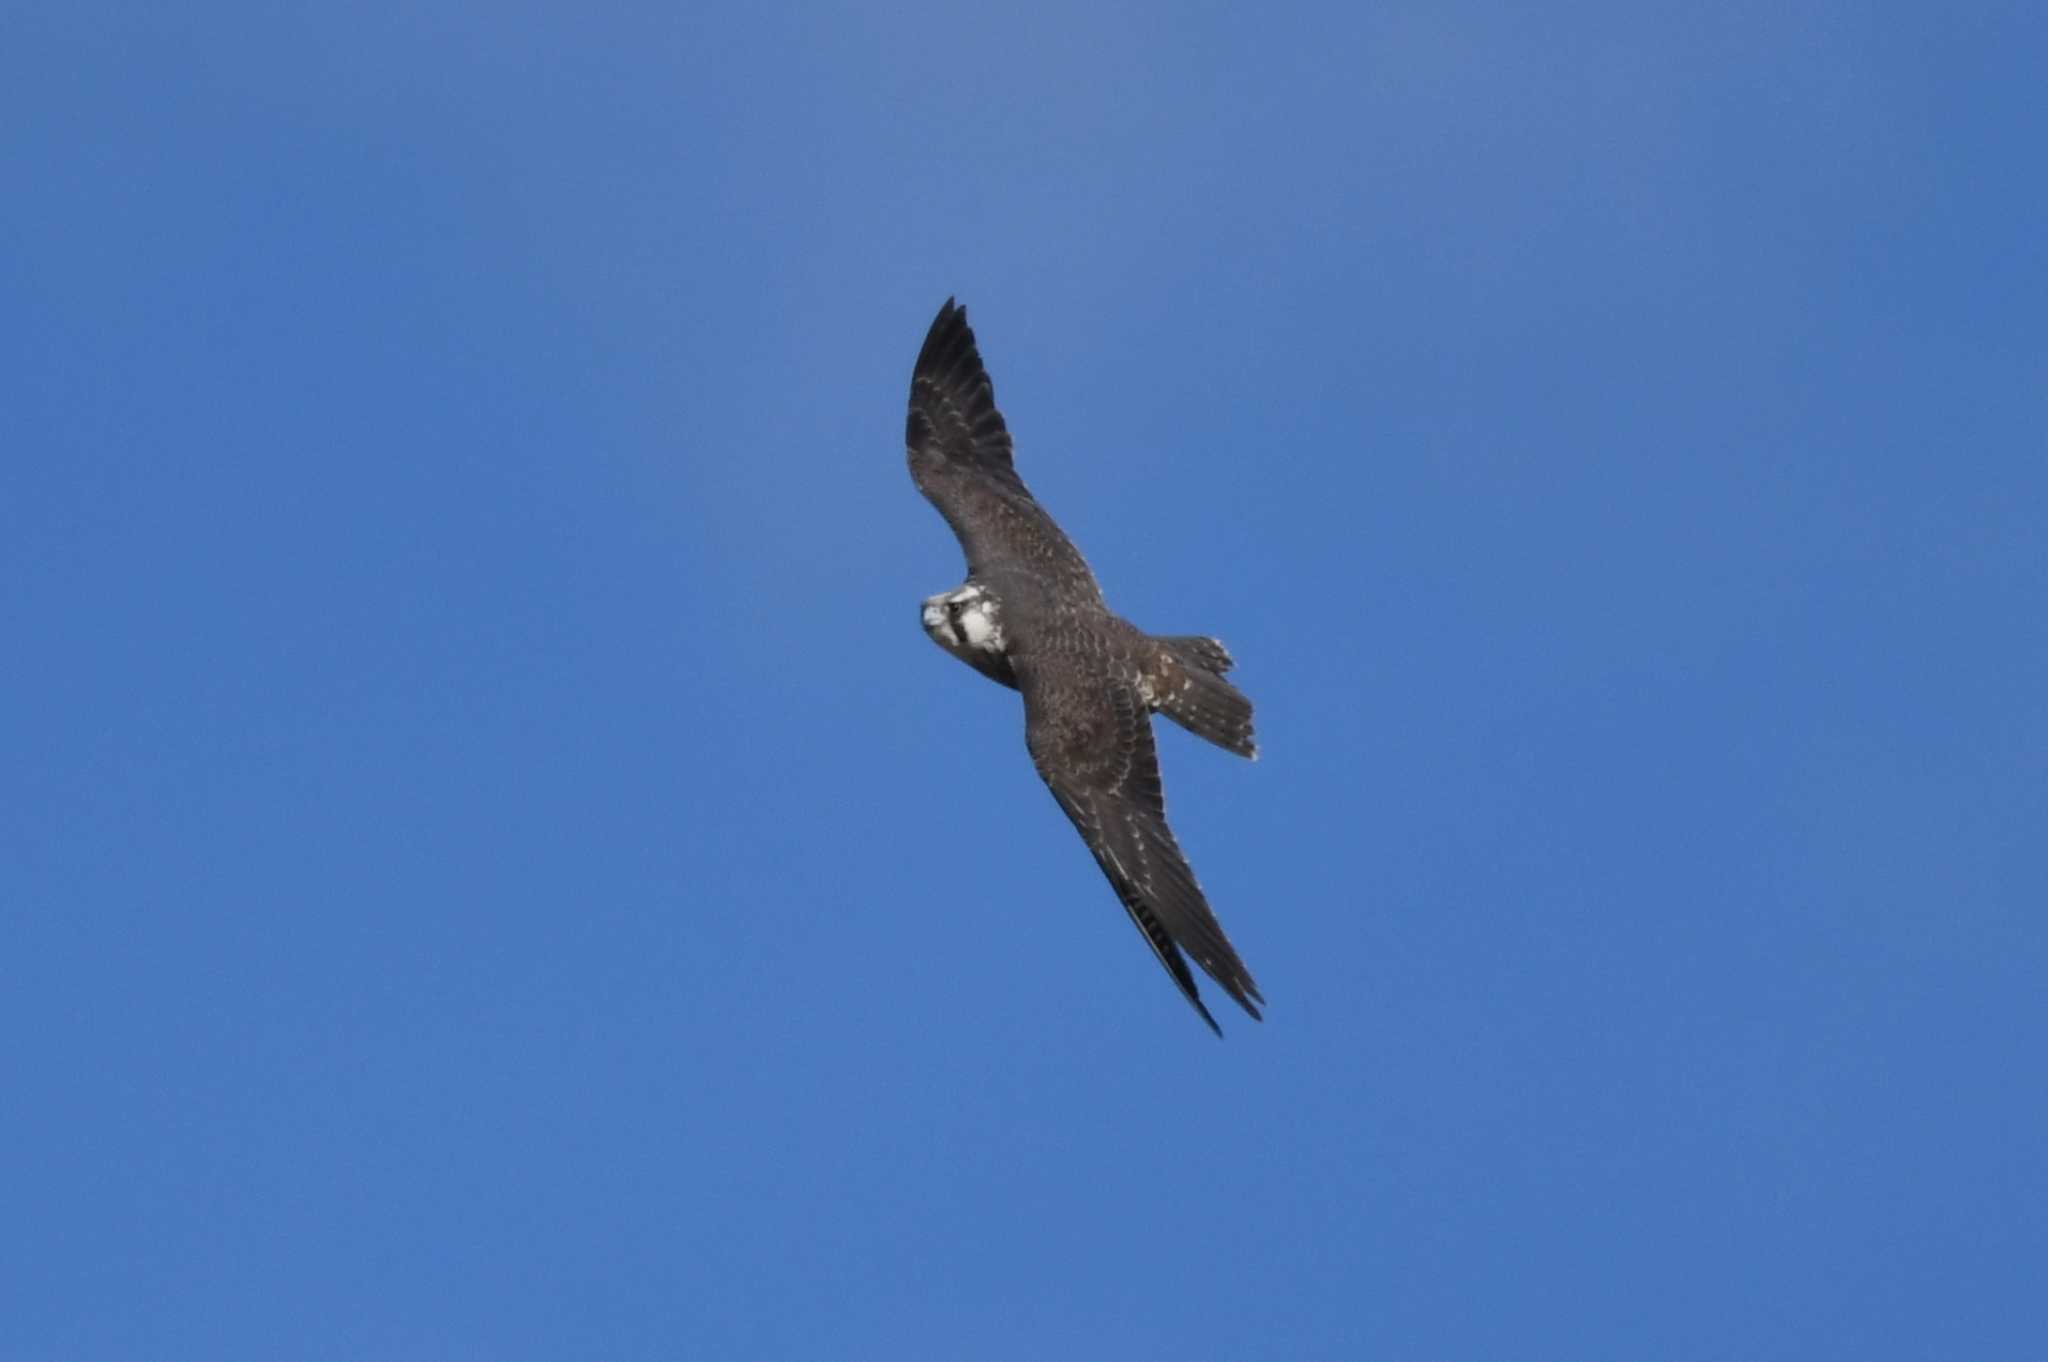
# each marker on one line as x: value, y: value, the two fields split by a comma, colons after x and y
x: 1243, y: 991
x: 949, y: 337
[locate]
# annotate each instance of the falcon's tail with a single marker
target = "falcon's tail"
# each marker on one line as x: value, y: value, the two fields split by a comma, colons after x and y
x: 1207, y: 705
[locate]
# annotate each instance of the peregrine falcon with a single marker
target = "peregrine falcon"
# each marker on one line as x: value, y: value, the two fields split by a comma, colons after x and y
x: 1031, y: 617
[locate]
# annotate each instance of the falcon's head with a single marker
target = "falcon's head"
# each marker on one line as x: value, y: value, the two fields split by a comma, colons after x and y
x: 966, y: 622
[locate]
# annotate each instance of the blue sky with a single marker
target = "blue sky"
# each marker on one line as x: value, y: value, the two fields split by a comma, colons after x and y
x: 491, y: 868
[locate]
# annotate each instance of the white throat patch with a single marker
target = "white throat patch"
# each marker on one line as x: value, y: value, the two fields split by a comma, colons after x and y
x: 982, y: 628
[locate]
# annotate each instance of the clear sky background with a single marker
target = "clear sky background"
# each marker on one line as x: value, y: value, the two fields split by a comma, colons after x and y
x: 491, y: 869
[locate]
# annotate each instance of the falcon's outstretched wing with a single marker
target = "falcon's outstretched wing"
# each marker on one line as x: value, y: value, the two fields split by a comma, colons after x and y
x: 1091, y: 739
x: 959, y: 451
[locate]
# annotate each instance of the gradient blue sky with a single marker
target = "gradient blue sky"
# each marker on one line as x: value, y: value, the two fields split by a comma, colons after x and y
x: 491, y: 869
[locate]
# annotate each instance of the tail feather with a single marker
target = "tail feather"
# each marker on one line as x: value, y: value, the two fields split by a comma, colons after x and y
x: 1204, y: 652
x: 1201, y: 701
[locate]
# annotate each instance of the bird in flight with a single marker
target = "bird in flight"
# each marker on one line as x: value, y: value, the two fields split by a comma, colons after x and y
x: 1031, y: 617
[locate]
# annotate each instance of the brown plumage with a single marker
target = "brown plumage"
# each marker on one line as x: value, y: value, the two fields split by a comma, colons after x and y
x: 1031, y: 616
